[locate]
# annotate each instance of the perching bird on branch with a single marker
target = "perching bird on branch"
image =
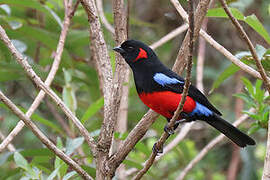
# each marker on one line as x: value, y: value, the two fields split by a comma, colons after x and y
x: 161, y: 89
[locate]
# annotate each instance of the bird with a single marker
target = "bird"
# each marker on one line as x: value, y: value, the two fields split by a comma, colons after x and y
x: 161, y: 90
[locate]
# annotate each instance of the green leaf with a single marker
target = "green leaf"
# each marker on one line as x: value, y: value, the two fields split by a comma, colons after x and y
x: 34, y: 5
x: 53, y: 174
x: 254, y: 129
x: 229, y: 71
x: 251, y: 20
x: 254, y: 22
x: 141, y: 147
x: 59, y: 163
x: 219, y: 12
x: 246, y: 98
x: 48, y: 123
x: 259, y: 94
x: 20, y: 161
x: 90, y: 170
x: 6, y: 8
x: 92, y: 109
x: 249, y: 86
x: 37, y: 152
x: 260, y: 50
x: 19, y: 45
x: 69, y: 175
x: 4, y: 157
x: 69, y: 90
x: 73, y: 144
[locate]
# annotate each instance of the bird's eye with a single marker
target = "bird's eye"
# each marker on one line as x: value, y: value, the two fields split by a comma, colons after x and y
x: 130, y: 48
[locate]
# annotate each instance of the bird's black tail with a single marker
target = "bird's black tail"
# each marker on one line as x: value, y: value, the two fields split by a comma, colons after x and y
x: 238, y: 137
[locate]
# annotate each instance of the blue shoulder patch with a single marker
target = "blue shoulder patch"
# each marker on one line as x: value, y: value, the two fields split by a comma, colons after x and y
x: 201, y: 110
x: 162, y: 79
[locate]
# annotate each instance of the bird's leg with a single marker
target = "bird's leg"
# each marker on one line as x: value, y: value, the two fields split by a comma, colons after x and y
x: 185, y: 119
x: 170, y: 131
x: 157, y: 150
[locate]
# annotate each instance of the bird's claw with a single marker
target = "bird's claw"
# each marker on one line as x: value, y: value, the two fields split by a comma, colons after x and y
x: 168, y: 130
x: 157, y: 150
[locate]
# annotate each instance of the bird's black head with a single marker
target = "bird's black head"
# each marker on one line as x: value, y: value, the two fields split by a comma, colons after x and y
x: 134, y: 51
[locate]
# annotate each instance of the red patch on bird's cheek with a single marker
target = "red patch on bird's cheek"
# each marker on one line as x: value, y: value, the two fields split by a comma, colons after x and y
x: 142, y: 54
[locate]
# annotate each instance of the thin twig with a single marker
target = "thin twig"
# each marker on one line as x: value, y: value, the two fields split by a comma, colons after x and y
x: 182, y: 56
x: 209, y: 146
x: 249, y: 43
x: 103, y: 18
x: 165, y: 135
x: 200, y: 60
x: 219, y: 47
x: 10, y: 146
x: 169, y: 36
x: 49, y: 79
x: 35, y: 78
x: 42, y: 137
x: 180, y: 136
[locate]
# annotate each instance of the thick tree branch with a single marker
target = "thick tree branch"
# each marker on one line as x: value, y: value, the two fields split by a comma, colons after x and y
x: 33, y: 76
x: 121, y: 34
x: 42, y: 137
x: 112, y: 85
x: 209, y: 146
x: 103, y: 63
x: 69, y: 12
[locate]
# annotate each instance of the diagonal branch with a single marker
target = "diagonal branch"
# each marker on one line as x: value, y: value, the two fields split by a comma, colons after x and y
x: 103, y: 18
x: 249, y: 43
x: 169, y: 36
x: 10, y: 146
x: 181, y: 60
x: 33, y: 76
x: 43, y: 138
x: 219, y: 47
x: 165, y: 135
x: 209, y: 146
x: 69, y: 12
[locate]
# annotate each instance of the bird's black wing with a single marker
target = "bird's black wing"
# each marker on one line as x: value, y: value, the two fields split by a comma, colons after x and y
x: 172, y: 82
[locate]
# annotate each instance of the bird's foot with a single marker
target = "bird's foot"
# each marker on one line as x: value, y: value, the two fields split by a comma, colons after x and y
x: 157, y: 150
x: 168, y: 130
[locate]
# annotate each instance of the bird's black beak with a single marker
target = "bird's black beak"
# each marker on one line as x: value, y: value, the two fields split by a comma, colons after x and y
x: 119, y: 49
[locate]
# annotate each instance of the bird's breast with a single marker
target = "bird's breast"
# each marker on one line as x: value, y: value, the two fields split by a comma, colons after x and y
x: 166, y: 102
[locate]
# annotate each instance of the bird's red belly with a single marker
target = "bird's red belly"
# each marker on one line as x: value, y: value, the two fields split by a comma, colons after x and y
x: 166, y: 102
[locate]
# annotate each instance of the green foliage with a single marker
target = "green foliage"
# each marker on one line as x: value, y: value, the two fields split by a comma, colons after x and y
x: 245, y: 57
x: 251, y: 20
x: 255, y: 98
